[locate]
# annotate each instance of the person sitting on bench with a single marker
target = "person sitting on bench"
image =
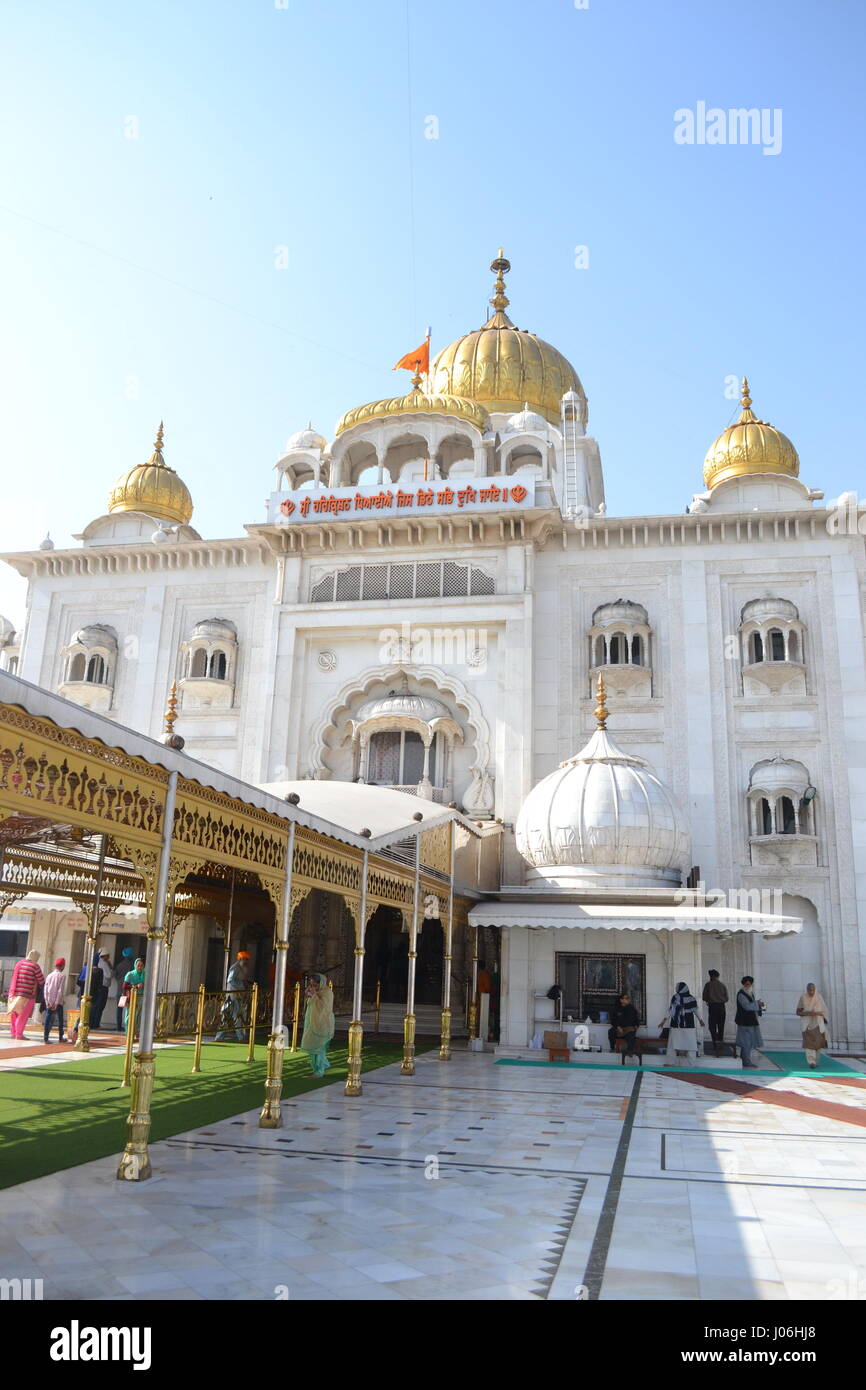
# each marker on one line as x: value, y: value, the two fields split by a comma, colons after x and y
x: 624, y: 1025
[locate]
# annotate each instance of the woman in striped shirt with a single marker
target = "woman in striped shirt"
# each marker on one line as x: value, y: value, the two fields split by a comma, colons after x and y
x: 27, y: 981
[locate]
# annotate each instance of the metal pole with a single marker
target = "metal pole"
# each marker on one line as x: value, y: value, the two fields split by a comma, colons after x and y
x: 82, y: 1042
x: 134, y: 1163
x: 356, y: 1027
x: 445, y: 1035
x: 131, y: 1021
x: 296, y: 1011
x: 272, y: 1114
x: 228, y: 945
x: 199, y: 1029
x: 254, y: 1008
x: 473, y: 998
x: 378, y: 1005
x: 407, y: 1066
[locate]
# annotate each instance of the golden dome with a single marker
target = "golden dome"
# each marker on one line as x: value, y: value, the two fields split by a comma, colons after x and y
x: 505, y: 368
x: 415, y: 401
x: 749, y: 446
x: 153, y: 488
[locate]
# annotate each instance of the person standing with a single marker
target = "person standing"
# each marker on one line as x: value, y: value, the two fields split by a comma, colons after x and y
x: 24, y: 990
x: 233, y: 1009
x: 55, y: 993
x: 624, y: 1025
x: 120, y: 972
x: 318, y: 1023
x: 681, y: 1020
x: 715, y: 996
x: 812, y: 1012
x: 134, y: 980
x: 99, y: 984
x: 748, y: 1021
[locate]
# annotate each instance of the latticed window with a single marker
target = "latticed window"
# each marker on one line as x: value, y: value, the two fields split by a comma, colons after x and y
x: 423, y: 579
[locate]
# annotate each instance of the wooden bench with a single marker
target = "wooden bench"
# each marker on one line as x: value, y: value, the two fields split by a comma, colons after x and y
x: 561, y: 1054
x: 639, y: 1046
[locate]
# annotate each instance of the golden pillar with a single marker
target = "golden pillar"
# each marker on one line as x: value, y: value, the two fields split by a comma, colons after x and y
x: 254, y: 1008
x: 356, y: 1027
x: 271, y: 1116
x: 407, y: 1066
x: 134, y: 1164
x: 131, y: 1023
x: 296, y: 1016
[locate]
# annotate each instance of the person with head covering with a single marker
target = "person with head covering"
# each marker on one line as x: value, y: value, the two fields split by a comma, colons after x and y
x: 681, y: 1022
x: 748, y: 1021
x: 55, y: 993
x: 25, y: 989
x: 715, y: 996
x: 233, y: 1008
x: 133, y: 980
x: 812, y: 1012
x: 99, y: 986
x: 120, y: 972
x: 318, y: 1023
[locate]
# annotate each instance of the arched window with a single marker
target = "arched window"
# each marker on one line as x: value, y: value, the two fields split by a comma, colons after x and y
x: 396, y: 758
x: 765, y: 817
x: 618, y: 649
x: 95, y: 674
x: 757, y: 647
x: 793, y: 646
x: 777, y: 645
x: 599, y: 651
x: 787, y: 820
x: 218, y: 666
x: 637, y: 650
x: 77, y: 667
x: 198, y: 663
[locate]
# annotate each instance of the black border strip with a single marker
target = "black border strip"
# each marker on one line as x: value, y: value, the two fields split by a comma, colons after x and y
x: 597, y: 1262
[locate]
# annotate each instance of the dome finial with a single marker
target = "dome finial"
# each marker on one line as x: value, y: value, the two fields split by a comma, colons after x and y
x: 156, y: 456
x: 601, y: 711
x: 501, y: 267
x: 746, y: 403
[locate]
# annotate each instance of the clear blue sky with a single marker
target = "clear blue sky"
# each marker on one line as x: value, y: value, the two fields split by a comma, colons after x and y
x: 140, y: 278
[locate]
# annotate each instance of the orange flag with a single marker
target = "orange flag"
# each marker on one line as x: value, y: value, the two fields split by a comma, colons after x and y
x: 418, y: 360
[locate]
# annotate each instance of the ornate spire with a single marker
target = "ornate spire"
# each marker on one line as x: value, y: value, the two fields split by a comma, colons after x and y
x: 600, y: 711
x: 156, y: 457
x: 169, y: 719
x: 746, y: 403
x: 501, y: 267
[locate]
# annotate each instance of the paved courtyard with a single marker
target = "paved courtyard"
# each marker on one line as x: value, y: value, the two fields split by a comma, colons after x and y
x: 477, y: 1180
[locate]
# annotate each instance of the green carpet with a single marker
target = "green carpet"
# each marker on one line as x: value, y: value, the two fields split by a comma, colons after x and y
x: 789, y: 1064
x: 796, y: 1061
x: 54, y: 1117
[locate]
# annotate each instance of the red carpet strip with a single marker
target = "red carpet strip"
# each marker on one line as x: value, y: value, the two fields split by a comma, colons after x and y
x: 788, y: 1100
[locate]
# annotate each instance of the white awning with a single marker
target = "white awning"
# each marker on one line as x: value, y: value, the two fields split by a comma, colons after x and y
x: 613, y: 917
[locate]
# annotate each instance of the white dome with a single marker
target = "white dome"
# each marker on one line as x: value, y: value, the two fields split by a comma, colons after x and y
x: 526, y: 421
x: 401, y: 702
x: 215, y: 630
x: 779, y: 776
x: 603, y: 817
x: 96, y: 635
x: 305, y: 440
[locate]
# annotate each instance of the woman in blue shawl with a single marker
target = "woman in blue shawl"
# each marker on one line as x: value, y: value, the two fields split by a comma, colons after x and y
x: 318, y: 1023
x: 683, y: 1035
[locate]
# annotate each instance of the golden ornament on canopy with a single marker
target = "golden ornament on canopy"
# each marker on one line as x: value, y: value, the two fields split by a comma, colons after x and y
x: 749, y: 446
x: 413, y: 403
x: 153, y: 488
x: 505, y: 368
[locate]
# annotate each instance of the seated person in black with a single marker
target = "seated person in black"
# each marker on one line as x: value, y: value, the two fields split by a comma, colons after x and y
x: 624, y: 1024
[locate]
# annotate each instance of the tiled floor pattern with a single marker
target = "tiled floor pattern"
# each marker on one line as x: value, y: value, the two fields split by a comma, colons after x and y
x: 467, y: 1181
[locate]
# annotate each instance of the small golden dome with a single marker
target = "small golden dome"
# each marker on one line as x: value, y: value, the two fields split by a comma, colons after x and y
x: 749, y: 446
x: 505, y: 368
x: 153, y: 488
x: 415, y: 401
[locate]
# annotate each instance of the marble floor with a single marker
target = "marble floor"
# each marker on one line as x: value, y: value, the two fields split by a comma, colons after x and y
x: 472, y: 1180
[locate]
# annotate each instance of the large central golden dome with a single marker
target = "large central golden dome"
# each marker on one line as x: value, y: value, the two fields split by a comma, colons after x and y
x: 504, y: 368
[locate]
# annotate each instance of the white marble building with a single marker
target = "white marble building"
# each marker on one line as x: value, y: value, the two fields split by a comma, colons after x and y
x: 428, y: 604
